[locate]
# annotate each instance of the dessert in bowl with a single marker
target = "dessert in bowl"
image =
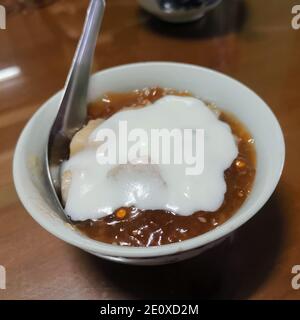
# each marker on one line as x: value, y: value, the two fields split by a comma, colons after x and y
x: 141, y: 202
x: 162, y: 228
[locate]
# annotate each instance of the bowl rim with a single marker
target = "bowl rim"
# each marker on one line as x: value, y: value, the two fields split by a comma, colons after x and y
x: 147, y: 252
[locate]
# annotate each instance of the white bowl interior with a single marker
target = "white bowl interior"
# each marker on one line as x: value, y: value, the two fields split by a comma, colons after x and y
x: 228, y: 94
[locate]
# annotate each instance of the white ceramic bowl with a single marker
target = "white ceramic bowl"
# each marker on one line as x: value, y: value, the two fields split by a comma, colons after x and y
x: 227, y: 93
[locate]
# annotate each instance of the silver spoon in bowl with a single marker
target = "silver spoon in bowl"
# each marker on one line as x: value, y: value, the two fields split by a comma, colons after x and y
x: 72, y: 112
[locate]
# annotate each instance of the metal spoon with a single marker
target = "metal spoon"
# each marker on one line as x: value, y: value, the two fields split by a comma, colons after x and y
x: 72, y: 112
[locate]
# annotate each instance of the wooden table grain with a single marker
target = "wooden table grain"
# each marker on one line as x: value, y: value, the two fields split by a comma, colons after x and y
x: 252, y: 41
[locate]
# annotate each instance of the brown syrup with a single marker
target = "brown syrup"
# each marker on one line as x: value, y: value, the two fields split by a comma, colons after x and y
x: 143, y: 228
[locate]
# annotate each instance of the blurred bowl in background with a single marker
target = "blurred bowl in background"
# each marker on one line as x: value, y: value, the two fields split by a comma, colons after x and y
x: 179, y: 11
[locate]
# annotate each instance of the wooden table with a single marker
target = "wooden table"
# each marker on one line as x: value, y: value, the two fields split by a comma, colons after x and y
x: 248, y: 40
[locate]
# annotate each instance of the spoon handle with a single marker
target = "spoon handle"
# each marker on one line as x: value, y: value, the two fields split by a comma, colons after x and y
x: 72, y: 112
x: 73, y: 105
